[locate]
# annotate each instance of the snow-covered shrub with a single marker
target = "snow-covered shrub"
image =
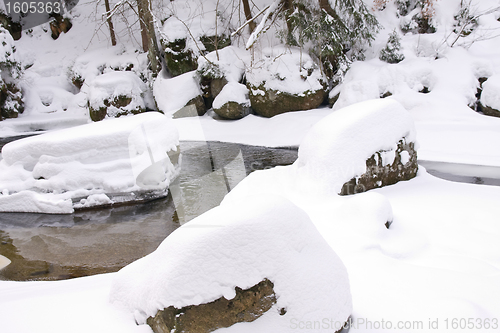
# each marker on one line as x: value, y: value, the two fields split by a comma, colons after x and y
x: 115, y: 94
x: 285, y: 80
x: 238, y: 245
x: 94, y: 164
x: 11, y: 102
x: 391, y: 52
x: 417, y: 16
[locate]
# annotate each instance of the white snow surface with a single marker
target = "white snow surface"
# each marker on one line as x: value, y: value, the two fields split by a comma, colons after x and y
x: 231, y: 61
x: 232, y: 92
x: 44, y: 173
x: 490, y: 95
x: 240, y: 245
x: 337, y: 147
x: 172, y: 94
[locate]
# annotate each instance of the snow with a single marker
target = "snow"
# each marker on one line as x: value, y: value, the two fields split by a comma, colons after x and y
x: 172, y: 94
x: 337, y: 147
x: 240, y: 245
x: 231, y: 61
x: 286, y: 70
x: 440, y: 255
x: 490, y: 94
x: 232, y: 92
x: 44, y: 173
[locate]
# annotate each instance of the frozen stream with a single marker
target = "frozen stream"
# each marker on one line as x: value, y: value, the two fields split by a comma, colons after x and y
x: 46, y: 247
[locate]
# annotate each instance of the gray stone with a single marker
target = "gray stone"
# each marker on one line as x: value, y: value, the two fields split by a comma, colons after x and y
x: 233, y: 110
x: 380, y: 175
x: 246, y: 306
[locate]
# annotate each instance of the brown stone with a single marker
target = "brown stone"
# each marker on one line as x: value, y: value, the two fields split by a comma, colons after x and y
x: 379, y: 175
x: 246, y: 306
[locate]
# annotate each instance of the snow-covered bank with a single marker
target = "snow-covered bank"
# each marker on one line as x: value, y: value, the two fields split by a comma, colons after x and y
x: 94, y: 164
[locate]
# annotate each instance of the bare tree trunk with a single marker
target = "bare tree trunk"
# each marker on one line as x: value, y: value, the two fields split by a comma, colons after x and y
x: 148, y: 35
x: 110, y: 23
x: 248, y: 15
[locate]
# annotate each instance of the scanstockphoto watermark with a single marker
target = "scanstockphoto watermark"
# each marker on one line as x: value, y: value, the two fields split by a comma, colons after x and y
x: 329, y: 324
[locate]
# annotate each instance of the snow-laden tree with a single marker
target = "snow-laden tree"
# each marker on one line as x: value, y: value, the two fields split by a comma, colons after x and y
x: 391, y: 52
x: 336, y: 31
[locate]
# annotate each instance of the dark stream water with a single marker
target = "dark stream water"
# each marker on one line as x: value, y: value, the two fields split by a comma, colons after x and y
x: 52, y: 247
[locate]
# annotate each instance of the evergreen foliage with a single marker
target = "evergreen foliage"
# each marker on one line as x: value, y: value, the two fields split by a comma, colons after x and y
x: 10, y: 70
x: 336, y: 35
x: 391, y: 52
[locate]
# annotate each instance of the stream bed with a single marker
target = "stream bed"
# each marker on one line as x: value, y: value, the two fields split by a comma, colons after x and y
x: 94, y: 241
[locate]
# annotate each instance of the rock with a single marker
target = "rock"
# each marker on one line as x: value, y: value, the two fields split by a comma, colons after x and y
x: 246, y: 306
x: 59, y: 24
x: 116, y: 94
x: 285, y: 80
x: 249, y: 256
x: 178, y: 58
x: 212, y: 43
x: 380, y: 173
x: 270, y: 102
x: 195, y: 107
x: 489, y: 100
x: 232, y: 102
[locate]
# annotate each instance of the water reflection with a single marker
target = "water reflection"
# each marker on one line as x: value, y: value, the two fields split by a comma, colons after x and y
x: 47, y: 247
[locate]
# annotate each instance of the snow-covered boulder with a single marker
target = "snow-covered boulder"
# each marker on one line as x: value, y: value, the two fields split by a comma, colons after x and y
x: 490, y: 96
x: 116, y: 94
x: 127, y: 159
x: 362, y: 146
x: 176, y: 95
x: 183, y: 43
x: 239, y: 245
x: 284, y: 81
x: 232, y: 102
x: 216, y: 69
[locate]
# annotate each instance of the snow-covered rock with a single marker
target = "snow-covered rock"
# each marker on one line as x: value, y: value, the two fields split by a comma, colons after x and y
x: 116, y: 94
x: 232, y: 102
x: 173, y: 94
x: 101, y: 163
x: 239, y: 245
x: 284, y: 81
x: 337, y: 147
x: 490, y: 96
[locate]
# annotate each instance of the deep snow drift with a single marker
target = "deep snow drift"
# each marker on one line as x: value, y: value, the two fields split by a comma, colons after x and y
x: 241, y: 245
x: 117, y: 160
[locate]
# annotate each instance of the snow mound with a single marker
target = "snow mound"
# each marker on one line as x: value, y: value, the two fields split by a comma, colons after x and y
x: 173, y: 94
x: 291, y: 72
x: 93, y: 63
x: 113, y: 86
x: 336, y: 149
x: 86, y: 165
x: 491, y: 92
x: 229, y: 62
x: 232, y: 92
x: 240, y: 245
